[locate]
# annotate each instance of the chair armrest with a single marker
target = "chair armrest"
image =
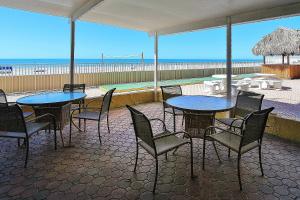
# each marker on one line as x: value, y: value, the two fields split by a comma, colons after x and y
x: 169, y: 134
x: 43, y: 116
x: 225, y: 130
x: 163, y: 123
x: 91, y: 101
x: 238, y: 119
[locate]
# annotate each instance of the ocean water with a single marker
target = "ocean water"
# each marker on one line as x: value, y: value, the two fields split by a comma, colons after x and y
x: 82, y: 61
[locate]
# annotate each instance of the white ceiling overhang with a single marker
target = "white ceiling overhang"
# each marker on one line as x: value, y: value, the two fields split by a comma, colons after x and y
x: 161, y: 16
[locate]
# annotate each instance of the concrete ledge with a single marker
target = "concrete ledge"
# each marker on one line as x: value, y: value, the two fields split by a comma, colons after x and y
x: 281, y: 127
x: 284, y: 128
x: 126, y: 98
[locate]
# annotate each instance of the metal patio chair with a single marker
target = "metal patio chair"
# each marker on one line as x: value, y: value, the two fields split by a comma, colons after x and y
x: 94, y: 113
x: 158, y: 144
x: 75, y: 88
x: 4, y: 102
x: 13, y: 125
x: 169, y: 92
x: 251, y: 136
x: 197, y: 123
x: 60, y: 112
x: 246, y: 103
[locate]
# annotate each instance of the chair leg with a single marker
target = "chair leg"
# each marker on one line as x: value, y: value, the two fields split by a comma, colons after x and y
x: 174, y: 123
x: 192, y: 161
x: 136, y: 156
x: 166, y: 155
x: 260, y: 163
x: 156, y: 173
x: 228, y: 153
x: 164, y: 116
x: 19, y: 144
x: 79, y: 120
x: 27, y: 151
x: 62, y: 138
x: 203, y: 156
x: 84, y: 121
x: 216, y: 151
x: 239, y: 173
x: 99, y: 132
x: 107, y: 121
x: 70, y: 132
x: 55, y: 139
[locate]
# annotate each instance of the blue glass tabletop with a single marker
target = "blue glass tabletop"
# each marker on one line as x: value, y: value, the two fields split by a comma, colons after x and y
x: 51, y: 98
x: 201, y: 103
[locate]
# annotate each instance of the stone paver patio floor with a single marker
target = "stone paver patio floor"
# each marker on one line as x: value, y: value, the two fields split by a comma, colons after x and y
x: 94, y: 171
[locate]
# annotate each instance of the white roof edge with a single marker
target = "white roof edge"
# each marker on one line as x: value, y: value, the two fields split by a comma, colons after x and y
x: 258, y: 15
x: 84, y: 8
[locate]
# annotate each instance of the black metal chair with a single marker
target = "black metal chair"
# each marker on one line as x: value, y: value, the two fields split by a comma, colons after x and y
x: 75, y: 88
x: 251, y: 136
x: 246, y: 103
x: 13, y: 125
x: 197, y: 123
x: 89, y: 113
x: 61, y: 114
x: 169, y: 92
x: 4, y: 102
x: 158, y: 144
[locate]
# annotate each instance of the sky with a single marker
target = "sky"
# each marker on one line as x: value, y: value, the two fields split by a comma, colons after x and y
x: 31, y: 35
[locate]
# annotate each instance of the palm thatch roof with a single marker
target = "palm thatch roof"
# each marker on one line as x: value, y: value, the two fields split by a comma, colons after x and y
x: 282, y: 41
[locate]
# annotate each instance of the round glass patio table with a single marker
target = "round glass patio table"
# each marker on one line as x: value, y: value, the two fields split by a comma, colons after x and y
x: 51, y: 98
x: 199, y: 103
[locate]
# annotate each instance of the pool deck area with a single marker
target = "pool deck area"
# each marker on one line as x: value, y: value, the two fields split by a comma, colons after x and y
x: 286, y: 101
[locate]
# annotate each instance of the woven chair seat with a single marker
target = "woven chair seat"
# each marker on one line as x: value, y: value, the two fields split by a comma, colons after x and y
x: 27, y: 114
x: 233, y: 141
x: 33, y: 127
x: 228, y: 122
x: 88, y: 115
x: 164, y: 144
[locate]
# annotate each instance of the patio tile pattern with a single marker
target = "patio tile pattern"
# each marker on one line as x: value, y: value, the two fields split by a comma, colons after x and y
x: 94, y: 171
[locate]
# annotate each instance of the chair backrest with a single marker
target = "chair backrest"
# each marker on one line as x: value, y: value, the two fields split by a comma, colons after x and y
x: 60, y: 112
x: 3, y: 100
x: 255, y: 126
x: 74, y: 88
x: 11, y: 119
x: 197, y: 123
x: 142, y: 127
x: 170, y: 91
x: 107, y: 101
x: 248, y: 102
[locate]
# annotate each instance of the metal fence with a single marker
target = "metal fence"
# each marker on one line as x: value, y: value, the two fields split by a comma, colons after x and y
x: 41, y: 77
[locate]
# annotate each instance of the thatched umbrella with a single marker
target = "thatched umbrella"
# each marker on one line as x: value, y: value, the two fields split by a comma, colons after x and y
x: 283, y: 41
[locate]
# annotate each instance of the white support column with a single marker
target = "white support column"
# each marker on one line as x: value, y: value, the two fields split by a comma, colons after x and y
x: 156, y: 78
x: 228, y: 57
x: 72, y: 52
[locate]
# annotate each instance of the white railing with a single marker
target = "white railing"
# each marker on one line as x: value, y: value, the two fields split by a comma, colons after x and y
x: 43, y: 69
x: 36, y: 77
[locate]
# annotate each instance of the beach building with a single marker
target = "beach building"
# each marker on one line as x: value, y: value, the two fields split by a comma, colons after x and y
x: 127, y: 165
x: 282, y: 42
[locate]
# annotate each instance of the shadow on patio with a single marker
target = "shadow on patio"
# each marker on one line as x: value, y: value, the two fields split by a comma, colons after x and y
x: 90, y: 170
